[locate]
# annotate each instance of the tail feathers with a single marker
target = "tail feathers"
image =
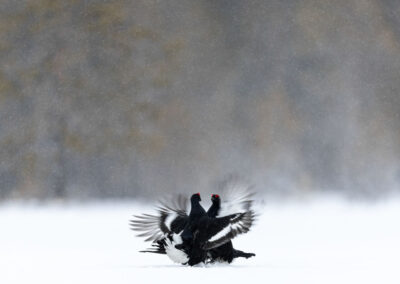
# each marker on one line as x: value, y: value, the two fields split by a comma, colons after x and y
x: 157, y: 247
x: 239, y: 253
x: 153, y: 251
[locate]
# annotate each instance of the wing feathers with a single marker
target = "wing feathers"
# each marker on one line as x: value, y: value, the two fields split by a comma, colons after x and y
x: 170, y: 215
x: 225, y: 231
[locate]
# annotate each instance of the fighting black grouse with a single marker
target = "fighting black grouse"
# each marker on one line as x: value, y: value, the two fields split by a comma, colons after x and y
x: 196, y: 237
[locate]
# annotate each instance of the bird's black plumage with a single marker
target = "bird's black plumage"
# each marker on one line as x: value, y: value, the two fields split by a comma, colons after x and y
x: 225, y: 252
x: 197, y: 212
x: 195, y: 237
x: 180, y: 223
x: 215, y: 206
x: 207, y: 232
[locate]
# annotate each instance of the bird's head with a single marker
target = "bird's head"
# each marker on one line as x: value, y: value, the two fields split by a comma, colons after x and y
x: 215, y: 198
x: 195, y: 197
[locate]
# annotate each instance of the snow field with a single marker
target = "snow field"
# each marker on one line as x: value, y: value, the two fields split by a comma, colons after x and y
x: 319, y: 241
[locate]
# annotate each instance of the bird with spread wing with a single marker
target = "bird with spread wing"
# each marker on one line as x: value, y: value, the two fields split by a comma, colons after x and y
x: 198, y: 236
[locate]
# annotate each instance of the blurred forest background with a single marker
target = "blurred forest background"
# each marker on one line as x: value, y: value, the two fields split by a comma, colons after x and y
x: 113, y: 99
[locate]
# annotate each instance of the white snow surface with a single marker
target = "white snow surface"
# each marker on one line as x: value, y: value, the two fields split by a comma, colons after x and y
x: 318, y: 241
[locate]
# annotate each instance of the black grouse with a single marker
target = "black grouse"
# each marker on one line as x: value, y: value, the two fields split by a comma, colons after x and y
x: 172, y: 220
x: 190, y: 239
x: 225, y: 252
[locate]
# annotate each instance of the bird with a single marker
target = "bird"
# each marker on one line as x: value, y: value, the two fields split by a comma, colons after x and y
x: 203, y: 233
x: 225, y: 252
x: 194, y: 238
x: 171, y: 219
x: 172, y: 230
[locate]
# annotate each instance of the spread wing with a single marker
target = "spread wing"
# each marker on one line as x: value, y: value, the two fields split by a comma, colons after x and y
x: 237, y: 196
x: 223, y: 229
x: 171, y: 217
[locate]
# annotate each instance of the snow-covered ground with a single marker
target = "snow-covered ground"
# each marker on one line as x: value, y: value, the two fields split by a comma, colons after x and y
x: 319, y: 241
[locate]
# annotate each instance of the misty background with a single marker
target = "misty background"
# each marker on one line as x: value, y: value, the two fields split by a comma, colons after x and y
x: 114, y: 99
